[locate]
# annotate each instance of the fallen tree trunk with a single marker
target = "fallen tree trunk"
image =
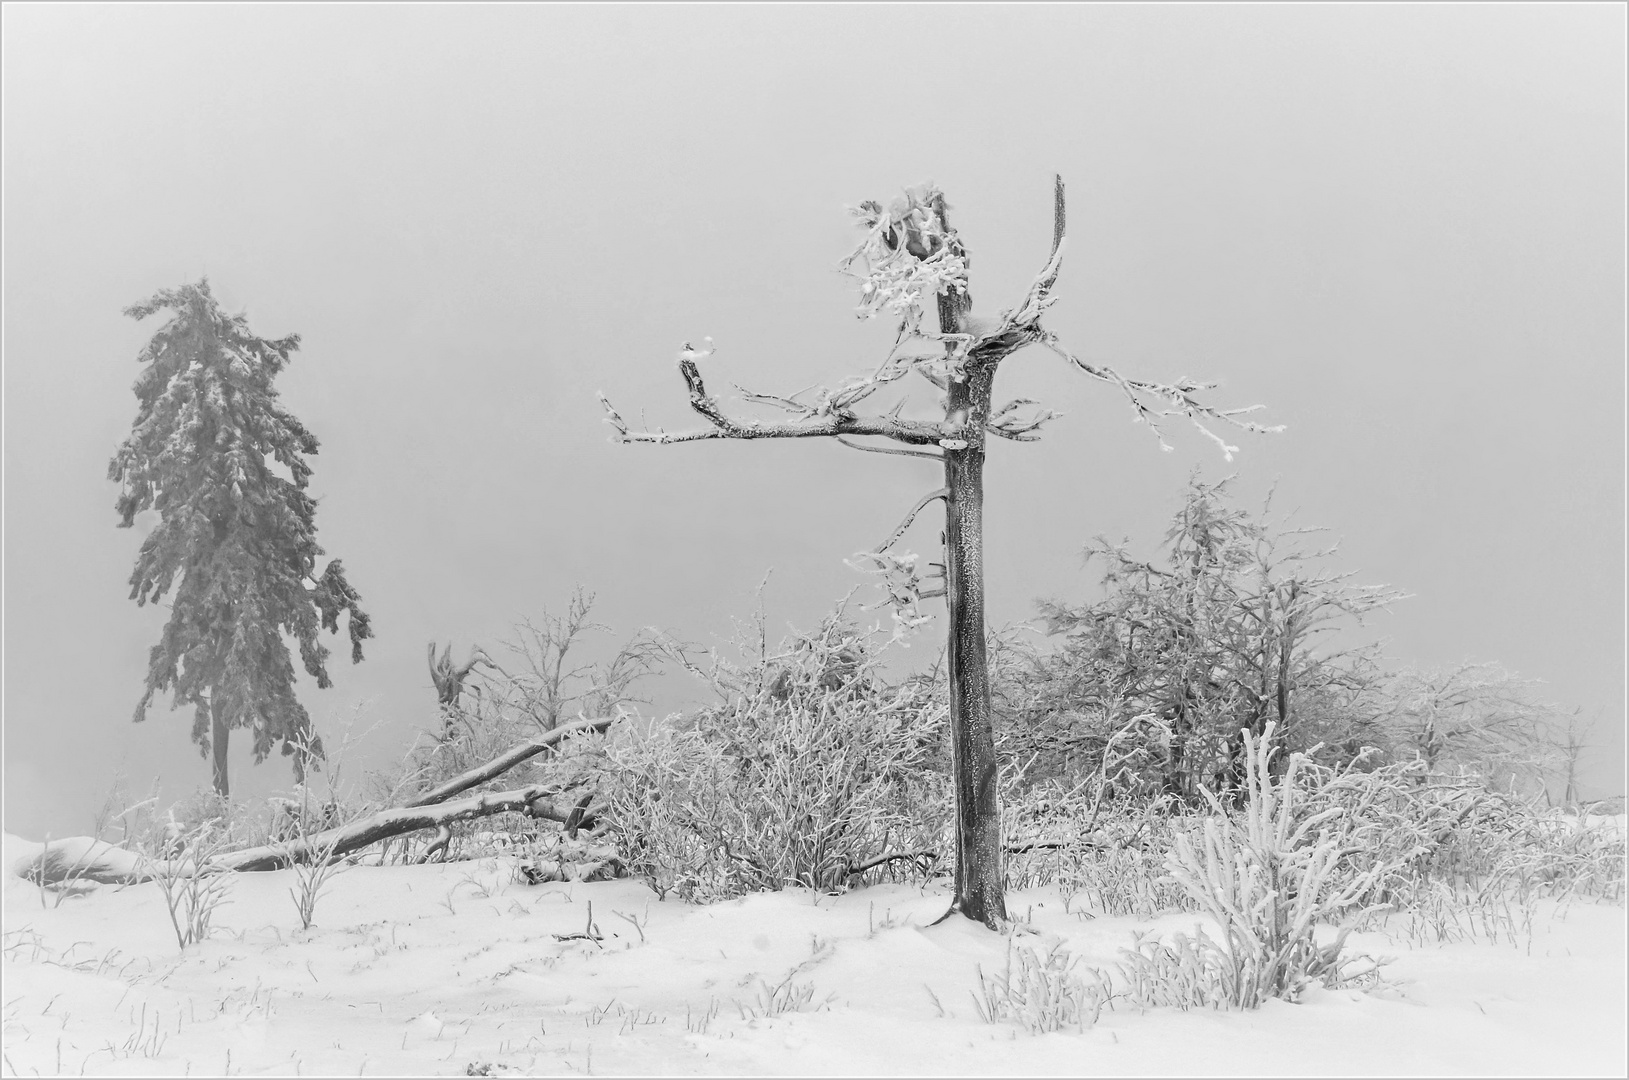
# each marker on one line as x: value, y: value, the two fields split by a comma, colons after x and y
x: 507, y: 760
x: 386, y: 824
x: 82, y: 858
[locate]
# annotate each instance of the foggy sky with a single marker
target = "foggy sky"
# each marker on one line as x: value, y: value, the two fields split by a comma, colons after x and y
x: 1400, y: 228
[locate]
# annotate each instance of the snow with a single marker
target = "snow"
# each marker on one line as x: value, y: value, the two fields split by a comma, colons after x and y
x: 437, y: 969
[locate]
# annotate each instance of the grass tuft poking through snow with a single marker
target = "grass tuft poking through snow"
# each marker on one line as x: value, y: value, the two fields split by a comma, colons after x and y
x: 1042, y: 993
x: 1268, y: 878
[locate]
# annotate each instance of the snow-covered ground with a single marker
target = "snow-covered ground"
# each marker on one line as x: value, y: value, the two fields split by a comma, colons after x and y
x: 437, y: 969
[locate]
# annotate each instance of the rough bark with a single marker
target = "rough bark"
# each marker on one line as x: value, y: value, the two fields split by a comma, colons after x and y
x: 978, y: 891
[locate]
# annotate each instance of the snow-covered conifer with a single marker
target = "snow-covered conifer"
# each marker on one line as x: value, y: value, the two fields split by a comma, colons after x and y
x: 235, y: 545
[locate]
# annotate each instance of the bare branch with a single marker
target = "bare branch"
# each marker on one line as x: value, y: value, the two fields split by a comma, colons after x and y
x: 819, y: 421
x: 1008, y: 424
x: 789, y: 404
x: 929, y: 454
x: 942, y: 493
x: 923, y: 856
x: 613, y: 418
x: 1039, y: 295
x: 1178, y: 394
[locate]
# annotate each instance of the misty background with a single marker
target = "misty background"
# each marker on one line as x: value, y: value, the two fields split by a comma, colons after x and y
x: 1401, y: 228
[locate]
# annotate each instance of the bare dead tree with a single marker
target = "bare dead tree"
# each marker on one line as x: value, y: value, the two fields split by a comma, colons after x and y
x: 911, y: 254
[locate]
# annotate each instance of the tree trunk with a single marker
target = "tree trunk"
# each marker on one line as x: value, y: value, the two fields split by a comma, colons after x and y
x: 979, y: 892
x: 972, y: 735
x: 218, y: 736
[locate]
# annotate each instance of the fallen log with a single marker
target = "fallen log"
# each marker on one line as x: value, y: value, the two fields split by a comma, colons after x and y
x: 81, y: 858
x: 507, y: 760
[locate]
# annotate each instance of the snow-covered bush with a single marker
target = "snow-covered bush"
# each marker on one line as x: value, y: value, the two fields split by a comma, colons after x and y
x: 1423, y: 830
x: 311, y: 876
x: 811, y: 764
x: 1269, y: 877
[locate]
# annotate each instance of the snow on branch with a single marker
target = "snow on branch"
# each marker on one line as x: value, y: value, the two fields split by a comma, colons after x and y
x: 830, y: 415
x: 1179, y: 395
x: 1011, y: 422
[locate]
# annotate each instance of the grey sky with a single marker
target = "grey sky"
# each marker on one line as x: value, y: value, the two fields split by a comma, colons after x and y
x: 1399, y: 227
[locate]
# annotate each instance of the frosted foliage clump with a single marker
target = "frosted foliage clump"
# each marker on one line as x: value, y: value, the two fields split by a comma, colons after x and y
x: 904, y: 585
x: 907, y: 255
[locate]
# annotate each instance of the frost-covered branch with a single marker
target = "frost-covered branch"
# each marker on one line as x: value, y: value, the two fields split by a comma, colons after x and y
x: 828, y: 417
x: 1180, y: 396
x: 1009, y: 421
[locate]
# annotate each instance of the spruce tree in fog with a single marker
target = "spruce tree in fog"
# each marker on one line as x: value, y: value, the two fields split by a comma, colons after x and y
x: 235, y: 545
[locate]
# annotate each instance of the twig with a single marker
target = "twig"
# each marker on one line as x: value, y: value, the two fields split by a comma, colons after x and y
x: 870, y: 864
x: 590, y: 932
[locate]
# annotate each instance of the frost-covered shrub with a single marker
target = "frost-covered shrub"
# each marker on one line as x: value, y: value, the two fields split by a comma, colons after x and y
x: 1109, y: 857
x: 1423, y: 830
x: 192, y: 889
x: 1269, y: 877
x: 810, y: 765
